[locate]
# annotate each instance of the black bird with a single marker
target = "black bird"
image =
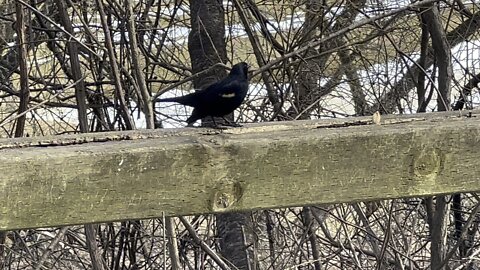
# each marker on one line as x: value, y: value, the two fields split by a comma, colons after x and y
x: 218, y: 99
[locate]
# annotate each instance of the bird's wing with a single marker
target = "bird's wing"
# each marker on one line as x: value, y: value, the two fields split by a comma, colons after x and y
x: 229, y: 89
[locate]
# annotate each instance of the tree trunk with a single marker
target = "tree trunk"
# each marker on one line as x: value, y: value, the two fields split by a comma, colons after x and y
x: 22, y: 60
x: 442, y: 54
x: 206, y: 45
x: 206, y: 41
x: 75, y: 67
x: 236, y: 239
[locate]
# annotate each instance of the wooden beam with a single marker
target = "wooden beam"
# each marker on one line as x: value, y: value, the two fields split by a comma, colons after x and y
x: 84, y: 178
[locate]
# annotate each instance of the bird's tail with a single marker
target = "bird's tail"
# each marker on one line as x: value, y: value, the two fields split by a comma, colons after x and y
x: 174, y: 99
x: 188, y: 100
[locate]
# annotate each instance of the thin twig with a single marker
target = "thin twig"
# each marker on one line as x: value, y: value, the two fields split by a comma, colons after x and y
x: 315, y: 43
x: 462, y: 235
x: 51, y: 247
x: 13, y: 117
x: 58, y: 27
x: 202, y: 244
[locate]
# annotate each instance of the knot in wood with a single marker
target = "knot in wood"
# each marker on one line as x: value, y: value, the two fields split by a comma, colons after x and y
x: 427, y: 164
x: 226, y: 195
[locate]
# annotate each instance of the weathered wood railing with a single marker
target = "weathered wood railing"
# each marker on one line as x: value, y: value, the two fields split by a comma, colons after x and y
x: 101, y: 177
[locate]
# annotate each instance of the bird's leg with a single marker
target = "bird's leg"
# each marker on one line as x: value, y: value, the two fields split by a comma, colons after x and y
x: 211, y: 124
x: 229, y: 123
x: 214, y: 123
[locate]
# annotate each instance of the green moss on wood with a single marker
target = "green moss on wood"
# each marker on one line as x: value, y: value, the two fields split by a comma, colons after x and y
x: 194, y: 171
